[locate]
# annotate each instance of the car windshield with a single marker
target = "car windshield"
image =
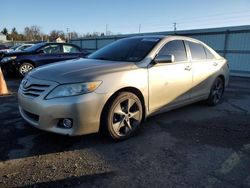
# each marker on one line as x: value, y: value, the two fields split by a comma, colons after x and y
x: 129, y: 49
x: 34, y: 47
x: 15, y: 47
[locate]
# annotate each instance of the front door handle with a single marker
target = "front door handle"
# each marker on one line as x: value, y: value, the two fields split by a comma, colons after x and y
x: 188, y: 68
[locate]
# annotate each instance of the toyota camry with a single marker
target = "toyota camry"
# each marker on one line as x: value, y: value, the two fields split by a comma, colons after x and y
x: 117, y: 87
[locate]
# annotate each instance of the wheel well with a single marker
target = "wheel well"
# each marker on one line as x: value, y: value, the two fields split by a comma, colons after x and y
x: 27, y: 61
x: 133, y: 90
x: 223, y: 79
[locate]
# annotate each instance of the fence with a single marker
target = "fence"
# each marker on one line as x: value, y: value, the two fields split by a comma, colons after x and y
x: 231, y: 42
x: 15, y: 43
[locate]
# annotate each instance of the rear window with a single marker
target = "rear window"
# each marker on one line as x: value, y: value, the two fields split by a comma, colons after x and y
x: 197, y: 51
x: 209, y: 54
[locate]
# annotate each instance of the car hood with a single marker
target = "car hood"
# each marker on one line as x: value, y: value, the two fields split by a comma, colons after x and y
x: 16, y: 53
x: 78, y: 70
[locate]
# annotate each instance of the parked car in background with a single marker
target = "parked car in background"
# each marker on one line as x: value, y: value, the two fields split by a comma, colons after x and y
x: 118, y: 86
x: 20, y: 47
x: 21, y: 62
x: 3, y: 49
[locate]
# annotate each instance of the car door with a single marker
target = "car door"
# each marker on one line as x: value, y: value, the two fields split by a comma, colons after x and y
x: 49, y: 53
x: 71, y: 52
x: 203, y: 64
x: 170, y: 83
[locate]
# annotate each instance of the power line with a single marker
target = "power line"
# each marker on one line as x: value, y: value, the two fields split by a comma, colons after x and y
x: 201, y: 17
x: 193, y: 21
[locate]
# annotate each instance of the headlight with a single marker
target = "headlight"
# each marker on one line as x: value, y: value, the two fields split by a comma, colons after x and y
x: 6, y: 59
x: 67, y: 90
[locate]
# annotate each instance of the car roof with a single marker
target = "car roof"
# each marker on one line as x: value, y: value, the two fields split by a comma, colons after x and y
x: 55, y: 43
x: 177, y: 37
x: 148, y: 36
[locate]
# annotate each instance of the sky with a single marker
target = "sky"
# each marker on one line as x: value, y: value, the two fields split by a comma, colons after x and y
x: 122, y: 16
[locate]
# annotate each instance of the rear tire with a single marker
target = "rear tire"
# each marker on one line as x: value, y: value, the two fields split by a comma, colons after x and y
x: 123, y: 116
x: 216, y: 92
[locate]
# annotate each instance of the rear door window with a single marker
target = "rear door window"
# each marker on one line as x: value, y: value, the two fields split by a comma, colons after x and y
x: 197, y: 51
x: 175, y: 48
x: 70, y: 49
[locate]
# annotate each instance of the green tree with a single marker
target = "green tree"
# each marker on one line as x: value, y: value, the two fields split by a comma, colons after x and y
x: 5, y: 31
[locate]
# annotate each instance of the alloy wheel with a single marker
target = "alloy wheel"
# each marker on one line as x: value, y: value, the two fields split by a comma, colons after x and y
x: 25, y: 68
x: 217, y: 91
x: 126, y: 117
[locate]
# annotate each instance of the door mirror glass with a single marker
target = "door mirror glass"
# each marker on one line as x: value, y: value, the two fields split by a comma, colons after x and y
x: 164, y: 59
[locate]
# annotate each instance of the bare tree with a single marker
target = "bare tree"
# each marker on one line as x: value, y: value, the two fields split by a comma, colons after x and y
x: 73, y: 35
x: 54, y: 34
x: 33, y: 33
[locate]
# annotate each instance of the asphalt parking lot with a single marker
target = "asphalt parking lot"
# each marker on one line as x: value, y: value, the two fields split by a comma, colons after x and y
x: 195, y: 146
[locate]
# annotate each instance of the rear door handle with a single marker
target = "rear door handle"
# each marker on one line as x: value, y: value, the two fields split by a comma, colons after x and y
x: 215, y: 64
x: 188, y: 68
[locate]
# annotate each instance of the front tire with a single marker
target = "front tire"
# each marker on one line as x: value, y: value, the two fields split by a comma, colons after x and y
x: 123, y: 116
x: 216, y: 92
x: 25, y: 68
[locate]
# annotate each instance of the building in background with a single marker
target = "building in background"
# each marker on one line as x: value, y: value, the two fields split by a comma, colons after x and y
x: 3, y: 38
x: 60, y: 40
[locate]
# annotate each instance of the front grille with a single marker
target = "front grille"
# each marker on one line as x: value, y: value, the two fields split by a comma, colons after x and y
x: 31, y: 116
x: 34, y: 90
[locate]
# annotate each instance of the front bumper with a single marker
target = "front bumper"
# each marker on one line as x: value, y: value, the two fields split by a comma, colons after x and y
x: 10, y: 66
x: 85, y: 111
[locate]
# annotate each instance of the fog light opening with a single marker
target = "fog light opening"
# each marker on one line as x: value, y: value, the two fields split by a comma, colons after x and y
x: 67, y: 123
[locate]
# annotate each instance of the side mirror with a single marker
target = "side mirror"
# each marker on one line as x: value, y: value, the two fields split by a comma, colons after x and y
x: 164, y: 59
x: 40, y: 51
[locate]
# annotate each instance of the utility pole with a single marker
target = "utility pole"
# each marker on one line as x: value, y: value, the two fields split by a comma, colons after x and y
x: 139, y: 28
x: 106, y: 29
x: 68, y: 34
x: 175, y: 27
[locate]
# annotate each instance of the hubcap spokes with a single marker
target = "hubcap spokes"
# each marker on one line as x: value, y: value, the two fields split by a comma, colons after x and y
x: 126, y: 117
x: 25, y: 69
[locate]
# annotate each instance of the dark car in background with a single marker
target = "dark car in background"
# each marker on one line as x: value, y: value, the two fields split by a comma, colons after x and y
x: 3, y: 49
x: 20, y: 47
x: 39, y: 54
